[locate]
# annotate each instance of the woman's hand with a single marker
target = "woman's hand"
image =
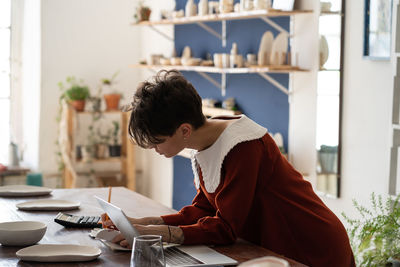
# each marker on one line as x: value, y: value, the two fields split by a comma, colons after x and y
x: 172, y: 235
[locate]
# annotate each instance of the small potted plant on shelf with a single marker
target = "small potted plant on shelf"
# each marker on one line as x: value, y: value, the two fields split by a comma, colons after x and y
x: 115, y: 147
x: 111, y: 98
x: 375, y: 236
x: 142, y: 12
x: 75, y: 93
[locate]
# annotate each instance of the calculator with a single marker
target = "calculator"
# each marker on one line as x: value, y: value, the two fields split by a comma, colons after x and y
x: 69, y: 220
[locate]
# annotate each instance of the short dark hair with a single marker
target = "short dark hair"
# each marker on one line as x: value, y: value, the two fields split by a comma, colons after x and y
x: 161, y: 105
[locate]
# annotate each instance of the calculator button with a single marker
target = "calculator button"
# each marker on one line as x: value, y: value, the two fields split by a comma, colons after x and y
x: 90, y: 220
x: 96, y: 219
x: 85, y: 219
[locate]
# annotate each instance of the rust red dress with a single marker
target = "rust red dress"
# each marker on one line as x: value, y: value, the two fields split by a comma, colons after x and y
x: 263, y: 199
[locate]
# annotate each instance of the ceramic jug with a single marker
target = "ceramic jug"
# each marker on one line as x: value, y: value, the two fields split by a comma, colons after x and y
x: 203, y: 7
x: 190, y: 8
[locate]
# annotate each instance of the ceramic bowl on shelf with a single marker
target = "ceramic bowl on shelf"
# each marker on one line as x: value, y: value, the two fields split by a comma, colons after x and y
x: 21, y: 233
x: 165, y: 61
x: 193, y: 61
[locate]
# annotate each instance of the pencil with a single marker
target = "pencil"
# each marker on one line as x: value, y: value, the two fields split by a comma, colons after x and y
x: 109, y: 200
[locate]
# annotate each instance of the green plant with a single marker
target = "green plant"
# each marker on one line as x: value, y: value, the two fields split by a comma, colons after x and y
x: 74, y: 90
x: 375, y: 236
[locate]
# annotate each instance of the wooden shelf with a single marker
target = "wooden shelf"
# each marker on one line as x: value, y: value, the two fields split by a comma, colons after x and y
x: 254, y: 14
x: 252, y: 69
x: 106, y: 160
x: 327, y: 13
x: 102, y: 111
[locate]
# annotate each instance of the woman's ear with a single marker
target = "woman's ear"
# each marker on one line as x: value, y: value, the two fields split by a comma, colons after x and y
x: 186, y: 130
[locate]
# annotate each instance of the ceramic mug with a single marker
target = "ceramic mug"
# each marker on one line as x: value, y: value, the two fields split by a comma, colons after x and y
x: 218, y: 60
x: 226, y: 60
x: 252, y: 59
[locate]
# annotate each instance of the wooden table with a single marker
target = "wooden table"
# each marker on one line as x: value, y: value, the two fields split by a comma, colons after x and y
x: 132, y: 203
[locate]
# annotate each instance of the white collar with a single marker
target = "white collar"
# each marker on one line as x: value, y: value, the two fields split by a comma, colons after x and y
x: 210, y: 160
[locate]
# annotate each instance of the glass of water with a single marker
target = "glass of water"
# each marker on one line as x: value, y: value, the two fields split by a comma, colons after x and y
x: 147, y: 251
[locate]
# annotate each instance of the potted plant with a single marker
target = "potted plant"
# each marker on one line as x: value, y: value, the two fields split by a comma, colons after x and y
x: 112, y: 98
x: 115, y: 147
x: 142, y: 12
x: 375, y: 236
x: 76, y: 93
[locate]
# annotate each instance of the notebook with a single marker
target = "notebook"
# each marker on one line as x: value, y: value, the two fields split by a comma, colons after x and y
x: 174, y: 256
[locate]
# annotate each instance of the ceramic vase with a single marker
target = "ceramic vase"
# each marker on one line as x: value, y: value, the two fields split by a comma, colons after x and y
x: 203, y: 7
x: 190, y: 8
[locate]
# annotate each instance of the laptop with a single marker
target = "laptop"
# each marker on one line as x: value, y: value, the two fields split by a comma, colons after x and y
x: 182, y: 256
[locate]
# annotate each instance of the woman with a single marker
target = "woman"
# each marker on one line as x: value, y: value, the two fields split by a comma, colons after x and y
x: 245, y: 187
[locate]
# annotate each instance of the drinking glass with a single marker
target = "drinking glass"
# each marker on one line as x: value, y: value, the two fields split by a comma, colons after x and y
x: 147, y: 251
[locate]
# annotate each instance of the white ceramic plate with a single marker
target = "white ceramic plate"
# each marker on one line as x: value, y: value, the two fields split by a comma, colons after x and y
x: 48, y: 204
x: 268, y: 261
x: 23, y: 191
x: 58, y: 253
x: 323, y: 51
x: 265, y: 48
x: 279, y: 46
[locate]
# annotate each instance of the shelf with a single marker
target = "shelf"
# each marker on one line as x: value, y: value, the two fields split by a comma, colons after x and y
x: 102, y: 111
x: 106, y: 160
x: 252, y: 69
x: 202, y: 70
x: 328, y: 13
x: 254, y: 14
x: 199, y: 20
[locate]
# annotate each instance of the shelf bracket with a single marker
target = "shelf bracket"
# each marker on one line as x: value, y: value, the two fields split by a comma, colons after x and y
x: 213, y: 32
x: 275, y: 25
x: 169, y: 38
x: 221, y: 86
x: 274, y: 82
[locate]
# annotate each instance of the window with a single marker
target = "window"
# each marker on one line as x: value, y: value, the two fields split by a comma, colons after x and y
x: 5, y: 83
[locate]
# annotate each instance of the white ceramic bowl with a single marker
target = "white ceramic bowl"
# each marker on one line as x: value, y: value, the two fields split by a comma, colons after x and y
x: 21, y: 233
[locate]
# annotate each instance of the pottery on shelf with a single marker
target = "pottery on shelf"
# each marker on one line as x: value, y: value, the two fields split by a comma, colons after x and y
x: 190, y: 8
x: 187, y: 52
x: 323, y: 51
x: 279, y: 49
x: 203, y: 7
x: 265, y: 48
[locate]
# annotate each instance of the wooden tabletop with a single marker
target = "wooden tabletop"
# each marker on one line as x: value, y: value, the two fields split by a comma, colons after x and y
x: 132, y: 203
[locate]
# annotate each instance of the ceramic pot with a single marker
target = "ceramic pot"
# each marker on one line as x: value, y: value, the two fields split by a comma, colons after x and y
x: 114, y: 150
x: 190, y: 8
x: 78, y: 105
x: 112, y: 101
x: 144, y: 14
x: 101, y: 151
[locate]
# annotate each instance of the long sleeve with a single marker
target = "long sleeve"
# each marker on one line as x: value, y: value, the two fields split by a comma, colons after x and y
x: 200, y: 208
x: 234, y: 197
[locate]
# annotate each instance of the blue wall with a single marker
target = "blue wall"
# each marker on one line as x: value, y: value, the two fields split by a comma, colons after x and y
x: 255, y: 96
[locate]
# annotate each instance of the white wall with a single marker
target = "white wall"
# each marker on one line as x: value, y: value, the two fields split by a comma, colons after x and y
x: 89, y: 39
x: 157, y: 175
